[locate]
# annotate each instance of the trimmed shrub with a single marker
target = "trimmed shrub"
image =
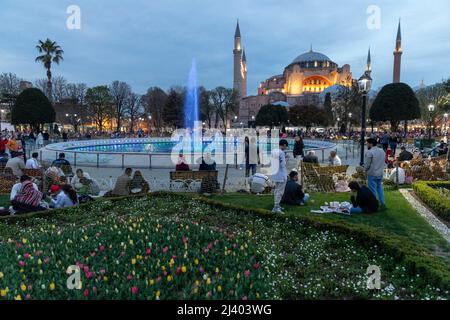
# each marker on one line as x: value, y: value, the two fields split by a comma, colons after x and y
x: 428, y: 193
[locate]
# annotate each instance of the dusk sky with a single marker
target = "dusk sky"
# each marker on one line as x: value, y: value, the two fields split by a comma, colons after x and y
x: 152, y: 42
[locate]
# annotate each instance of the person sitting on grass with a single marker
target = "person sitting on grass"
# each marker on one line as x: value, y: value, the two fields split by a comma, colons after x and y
x: 88, y: 187
x: 18, y: 186
x: 259, y: 183
x: 67, y: 197
x: 79, y: 174
x: 138, y: 184
x: 122, y: 187
x: 363, y: 200
x: 293, y: 193
x: 28, y: 199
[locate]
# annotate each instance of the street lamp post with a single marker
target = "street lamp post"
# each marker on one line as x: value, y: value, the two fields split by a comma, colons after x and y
x: 350, y: 123
x: 365, y: 84
x: 431, y: 109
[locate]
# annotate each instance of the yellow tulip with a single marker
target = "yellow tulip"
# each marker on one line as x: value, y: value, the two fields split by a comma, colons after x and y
x: 133, y: 261
x: 3, y: 293
x: 1, y: 275
x: 52, y: 286
x: 183, y: 269
x: 18, y: 297
x: 23, y: 287
x: 158, y: 294
x: 219, y: 289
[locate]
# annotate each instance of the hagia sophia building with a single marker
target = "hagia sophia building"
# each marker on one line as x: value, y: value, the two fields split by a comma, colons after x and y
x: 301, y: 83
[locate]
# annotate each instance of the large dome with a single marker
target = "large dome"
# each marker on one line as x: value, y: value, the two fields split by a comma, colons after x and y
x: 310, y: 57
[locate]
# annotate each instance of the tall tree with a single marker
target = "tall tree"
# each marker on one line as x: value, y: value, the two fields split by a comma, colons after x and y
x: 59, y: 89
x: 348, y: 100
x: 435, y: 94
x: 270, y: 115
x: 99, y: 102
x: 50, y: 52
x: 394, y: 103
x: 32, y: 107
x: 154, y: 102
x: 119, y: 93
x: 77, y: 91
x: 173, y: 110
x: 225, y: 102
x: 307, y: 116
x: 9, y: 84
x: 133, y: 108
x: 207, y: 110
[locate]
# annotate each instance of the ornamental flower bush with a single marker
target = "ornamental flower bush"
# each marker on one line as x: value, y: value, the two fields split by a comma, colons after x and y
x: 172, y: 247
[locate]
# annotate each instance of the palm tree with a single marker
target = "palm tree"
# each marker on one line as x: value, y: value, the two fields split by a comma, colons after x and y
x: 50, y: 52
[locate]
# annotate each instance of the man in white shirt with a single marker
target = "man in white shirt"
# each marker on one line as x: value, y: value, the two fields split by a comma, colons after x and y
x: 33, y: 162
x: 258, y: 183
x: 279, y: 175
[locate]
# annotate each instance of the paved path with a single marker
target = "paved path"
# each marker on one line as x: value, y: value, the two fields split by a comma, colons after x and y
x: 440, y: 227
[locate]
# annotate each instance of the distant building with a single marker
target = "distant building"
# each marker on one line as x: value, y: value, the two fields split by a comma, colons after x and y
x: 301, y: 82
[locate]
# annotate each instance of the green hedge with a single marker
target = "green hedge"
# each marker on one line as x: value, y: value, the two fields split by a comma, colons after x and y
x: 429, y: 195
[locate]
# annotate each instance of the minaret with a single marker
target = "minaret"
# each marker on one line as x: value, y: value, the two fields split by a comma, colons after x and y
x: 369, y: 63
x: 398, y: 55
x: 244, y: 75
x: 237, y: 53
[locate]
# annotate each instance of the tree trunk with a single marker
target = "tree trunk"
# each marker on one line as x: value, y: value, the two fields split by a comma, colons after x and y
x: 49, y: 85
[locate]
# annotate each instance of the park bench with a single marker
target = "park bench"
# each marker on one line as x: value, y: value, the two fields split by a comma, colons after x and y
x: 187, y: 177
x: 320, y: 179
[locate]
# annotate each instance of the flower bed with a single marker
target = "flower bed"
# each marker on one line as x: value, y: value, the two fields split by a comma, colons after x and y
x: 430, y: 194
x: 175, y: 247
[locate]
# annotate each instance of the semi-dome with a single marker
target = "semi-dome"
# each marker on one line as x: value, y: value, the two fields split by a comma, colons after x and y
x: 310, y: 57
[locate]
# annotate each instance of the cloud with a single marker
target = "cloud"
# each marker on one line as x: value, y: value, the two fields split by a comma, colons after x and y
x: 152, y: 43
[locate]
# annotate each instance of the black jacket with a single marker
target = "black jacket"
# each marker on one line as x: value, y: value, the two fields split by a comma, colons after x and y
x: 299, y: 147
x: 405, y: 156
x: 293, y: 194
x: 366, y: 200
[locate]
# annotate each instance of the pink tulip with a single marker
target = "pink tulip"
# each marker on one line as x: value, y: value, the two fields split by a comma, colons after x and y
x: 247, y: 273
x: 102, y: 248
x: 86, y: 268
x: 148, y: 251
x: 26, y: 256
x: 134, y: 290
x: 178, y: 271
x: 22, y: 263
x: 256, y: 266
x: 89, y: 275
x: 129, y: 277
x: 86, y: 292
x: 244, y: 298
x: 165, y: 249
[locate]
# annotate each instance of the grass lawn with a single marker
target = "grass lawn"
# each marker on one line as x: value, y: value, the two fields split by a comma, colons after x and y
x: 400, y: 218
x: 4, y: 201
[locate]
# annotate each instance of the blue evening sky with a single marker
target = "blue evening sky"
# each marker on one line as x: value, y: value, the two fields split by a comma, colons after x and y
x: 152, y: 42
